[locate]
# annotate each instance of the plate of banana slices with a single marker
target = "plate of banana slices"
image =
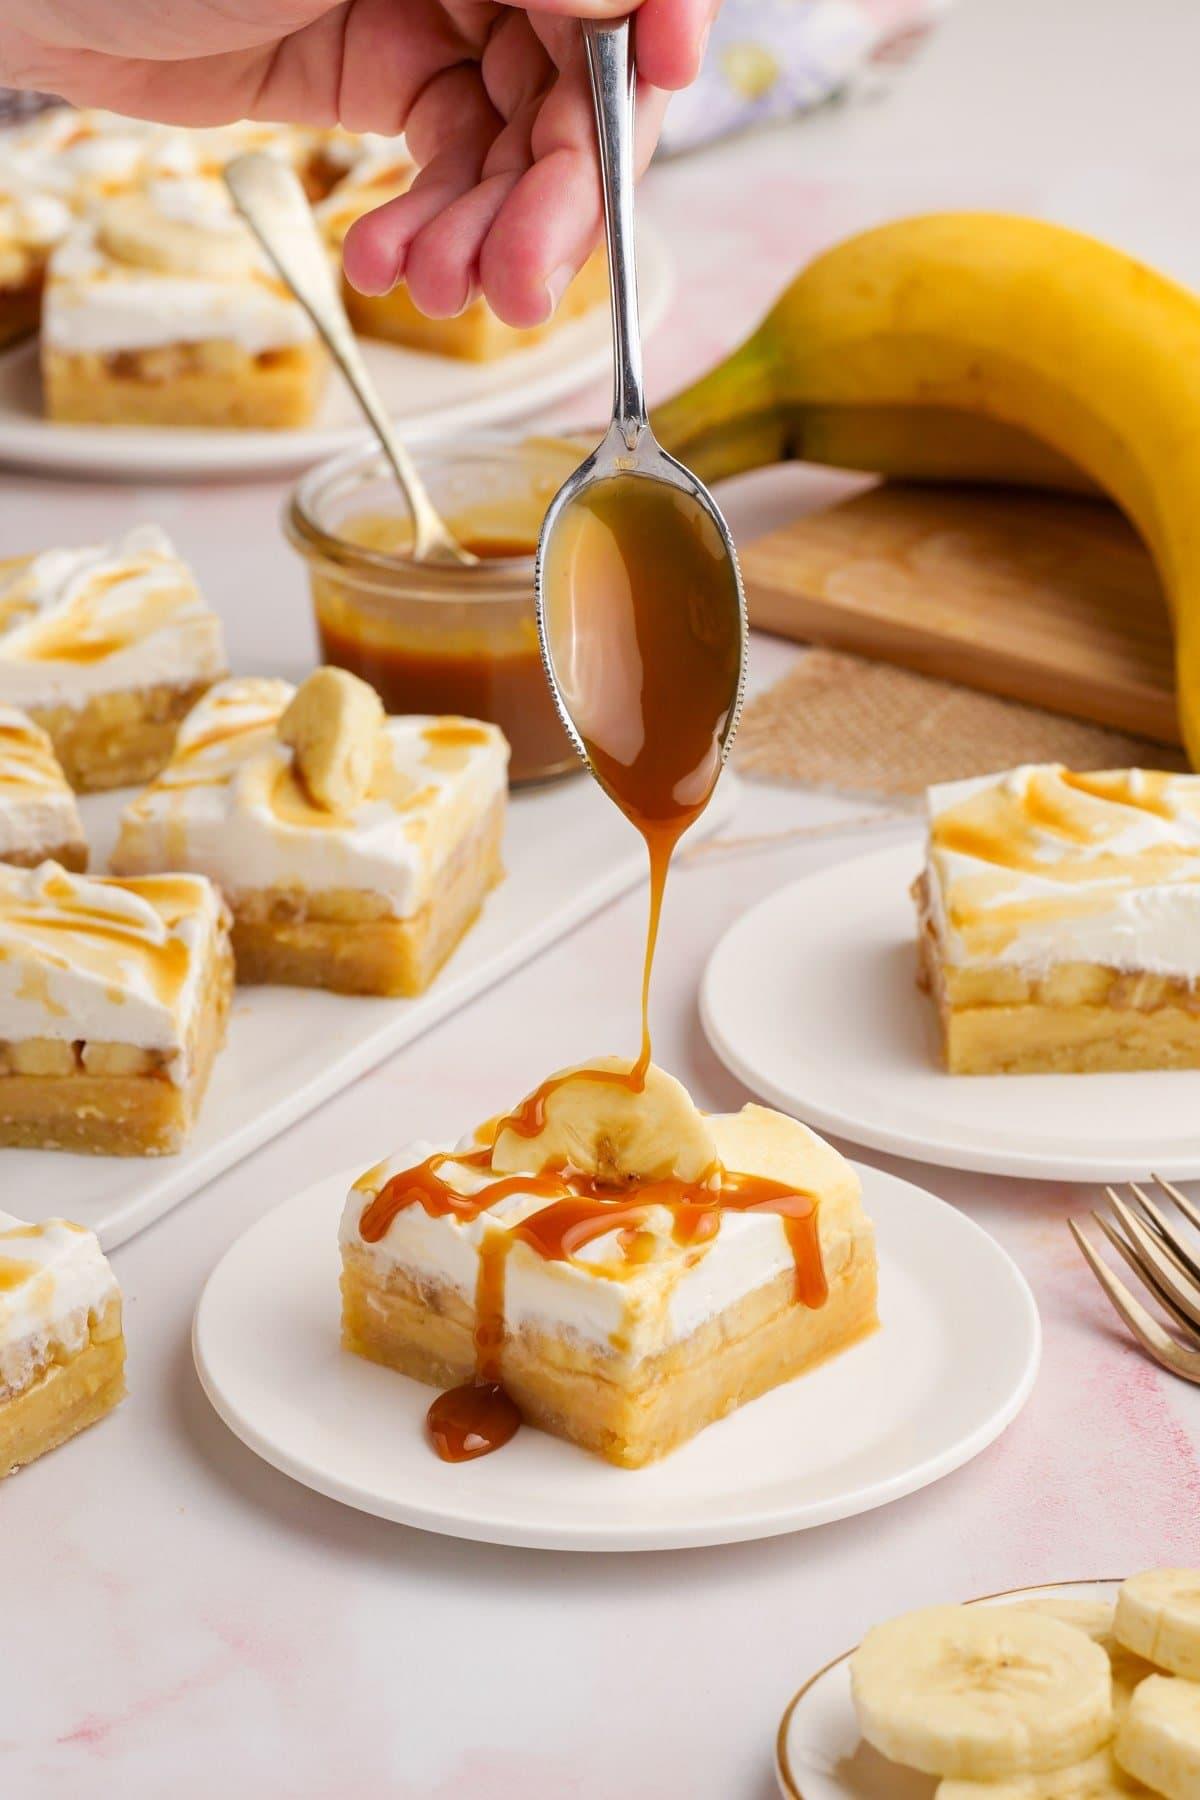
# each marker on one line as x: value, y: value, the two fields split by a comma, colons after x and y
x: 1085, y: 1691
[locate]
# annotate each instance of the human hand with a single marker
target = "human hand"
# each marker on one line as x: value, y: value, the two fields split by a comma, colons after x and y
x: 494, y: 99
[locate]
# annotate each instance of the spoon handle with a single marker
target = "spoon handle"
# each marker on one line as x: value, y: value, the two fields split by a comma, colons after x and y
x: 610, y: 66
x: 273, y: 204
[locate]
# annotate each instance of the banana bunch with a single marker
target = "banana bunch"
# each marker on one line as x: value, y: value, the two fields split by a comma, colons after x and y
x: 1043, y: 1699
x: 982, y: 348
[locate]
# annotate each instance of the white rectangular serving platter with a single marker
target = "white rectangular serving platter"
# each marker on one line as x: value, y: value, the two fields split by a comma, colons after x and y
x: 567, y: 853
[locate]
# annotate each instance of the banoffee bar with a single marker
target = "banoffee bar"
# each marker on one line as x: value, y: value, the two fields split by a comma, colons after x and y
x: 625, y: 1269
x: 354, y: 850
x: 113, y: 1000
x: 62, y: 1349
x: 161, y: 309
x: 1059, y: 921
x: 107, y: 647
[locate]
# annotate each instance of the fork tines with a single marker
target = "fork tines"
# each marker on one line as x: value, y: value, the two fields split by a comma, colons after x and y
x: 1166, y: 1264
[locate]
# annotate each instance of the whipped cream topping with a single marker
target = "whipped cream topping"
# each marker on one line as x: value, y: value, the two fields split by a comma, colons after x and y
x: 54, y: 1284
x: 1042, y: 866
x: 171, y: 264
x: 37, y: 808
x: 86, y: 153
x: 97, y: 959
x: 230, y: 804
x: 103, y: 618
x: 630, y: 1306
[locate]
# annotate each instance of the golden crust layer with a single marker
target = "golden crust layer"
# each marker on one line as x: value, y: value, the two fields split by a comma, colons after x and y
x: 207, y: 385
x: 66, y: 1397
x: 628, y: 1415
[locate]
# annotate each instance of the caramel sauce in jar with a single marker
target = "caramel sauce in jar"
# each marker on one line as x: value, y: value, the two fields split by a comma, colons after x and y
x: 438, y: 639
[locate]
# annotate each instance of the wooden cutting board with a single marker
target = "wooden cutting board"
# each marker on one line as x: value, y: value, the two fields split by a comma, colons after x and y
x: 1049, y: 600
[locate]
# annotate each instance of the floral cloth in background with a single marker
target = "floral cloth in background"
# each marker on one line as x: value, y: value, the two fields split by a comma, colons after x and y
x: 770, y: 59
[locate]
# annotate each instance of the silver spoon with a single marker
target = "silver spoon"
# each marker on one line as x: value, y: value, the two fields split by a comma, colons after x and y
x: 274, y: 205
x: 629, y: 447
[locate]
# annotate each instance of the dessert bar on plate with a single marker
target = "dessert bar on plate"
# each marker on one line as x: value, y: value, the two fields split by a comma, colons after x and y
x: 39, y: 818
x: 626, y: 1269
x: 161, y: 309
x: 113, y: 999
x: 62, y: 1352
x: 106, y: 647
x: 354, y: 849
x: 1059, y: 920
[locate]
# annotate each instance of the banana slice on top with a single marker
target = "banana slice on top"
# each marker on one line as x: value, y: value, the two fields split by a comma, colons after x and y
x: 172, y: 238
x: 1158, y: 1616
x: 1099, y: 1778
x: 1159, y: 1738
x: 591, y: 1118
x: 984, y: 1692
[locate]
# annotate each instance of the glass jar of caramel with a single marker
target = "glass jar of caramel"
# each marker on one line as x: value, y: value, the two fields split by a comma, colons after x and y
x: 433, y: 638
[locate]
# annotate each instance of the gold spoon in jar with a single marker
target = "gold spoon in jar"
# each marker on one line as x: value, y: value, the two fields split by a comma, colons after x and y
x: 271, y: 200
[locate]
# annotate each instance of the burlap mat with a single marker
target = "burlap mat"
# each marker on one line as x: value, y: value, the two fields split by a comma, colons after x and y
x: 852, y: 726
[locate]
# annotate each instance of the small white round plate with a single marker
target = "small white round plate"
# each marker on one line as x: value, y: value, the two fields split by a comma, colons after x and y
x: 811, y: 1000
x: 819, y: 1754
x: 428, y: 396
x: 953, y: 1363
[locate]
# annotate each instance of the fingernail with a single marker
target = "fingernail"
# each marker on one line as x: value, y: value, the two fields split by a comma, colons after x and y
x: 558, y: 283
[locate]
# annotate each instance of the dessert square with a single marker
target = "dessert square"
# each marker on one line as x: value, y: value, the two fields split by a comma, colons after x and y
x: 383, y: 171
x: 621, y: 1268
x: 113, y: 1000
x: 39, y: 819
x: 161, y: 309
x: 1059, y: 921
x: 107, y: 647
x: 354, y: 850
x: 62, y: 1349
x: 32, y: 222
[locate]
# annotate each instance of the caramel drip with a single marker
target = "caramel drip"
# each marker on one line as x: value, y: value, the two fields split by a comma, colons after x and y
x: 14, y: 1274
x: 642, y: 609
x: 578, y: 1208
x: 76, y: 635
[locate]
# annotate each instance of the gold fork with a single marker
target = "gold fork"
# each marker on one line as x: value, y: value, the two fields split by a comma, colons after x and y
x: 1167, y: 1267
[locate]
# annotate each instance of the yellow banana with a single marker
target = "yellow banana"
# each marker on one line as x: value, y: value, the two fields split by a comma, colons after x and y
x: 989, y: 347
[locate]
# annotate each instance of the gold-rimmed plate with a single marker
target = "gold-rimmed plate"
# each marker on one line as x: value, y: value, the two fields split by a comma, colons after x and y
x: 819, y: 1753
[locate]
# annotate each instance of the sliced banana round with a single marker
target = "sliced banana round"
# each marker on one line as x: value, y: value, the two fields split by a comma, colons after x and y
x: 608, y: 1128
x: 1158, y: 1616
x: 1129, y: 1670
x: 985, y: 1692
x: 1159, y: 1737
x: 134, y: 230
x: 1100, y: 1777
x: 1093, y: 1617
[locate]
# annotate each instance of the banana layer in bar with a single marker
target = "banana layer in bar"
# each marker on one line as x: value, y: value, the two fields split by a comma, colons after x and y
x: 631, y: 1308
x: 106, y: 647
x: 1059, y: 920
x: 39, y: 817
x: 62, y: 1353
x: 364, y: 887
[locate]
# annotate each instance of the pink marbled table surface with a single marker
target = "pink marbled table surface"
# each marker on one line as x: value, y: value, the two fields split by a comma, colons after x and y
x: 181, y: 1620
